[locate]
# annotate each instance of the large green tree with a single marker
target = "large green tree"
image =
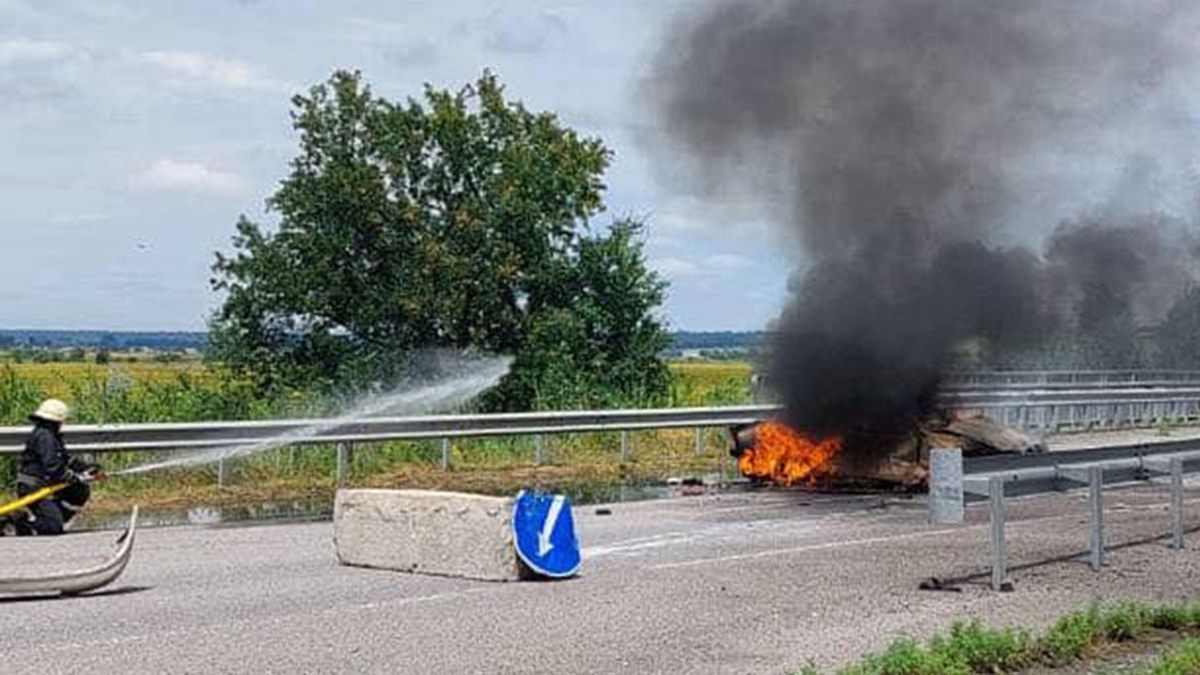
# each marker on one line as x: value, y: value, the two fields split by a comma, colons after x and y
x: 460, y: 220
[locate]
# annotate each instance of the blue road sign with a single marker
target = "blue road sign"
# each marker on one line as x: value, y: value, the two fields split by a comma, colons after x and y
x: 544, y: 532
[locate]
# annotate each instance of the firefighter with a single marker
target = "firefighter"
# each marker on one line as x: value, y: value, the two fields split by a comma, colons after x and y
x: 45, y: 462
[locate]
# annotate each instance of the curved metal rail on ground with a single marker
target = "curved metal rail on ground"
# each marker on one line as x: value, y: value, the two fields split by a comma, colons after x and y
x: 82, y: 581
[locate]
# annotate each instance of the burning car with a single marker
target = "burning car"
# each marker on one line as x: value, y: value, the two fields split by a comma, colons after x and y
x: 772, y: 452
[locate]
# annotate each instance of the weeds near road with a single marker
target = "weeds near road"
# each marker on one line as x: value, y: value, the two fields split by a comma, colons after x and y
x: 1183, y: 660
x: 971, y: 647
x: 983, y: 649
x: 580, y: 464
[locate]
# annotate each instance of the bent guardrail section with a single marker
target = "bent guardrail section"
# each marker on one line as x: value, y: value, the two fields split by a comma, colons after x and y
x: 81, y: 581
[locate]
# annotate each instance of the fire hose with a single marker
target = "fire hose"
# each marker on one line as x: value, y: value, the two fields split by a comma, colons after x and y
x: 39, y: 495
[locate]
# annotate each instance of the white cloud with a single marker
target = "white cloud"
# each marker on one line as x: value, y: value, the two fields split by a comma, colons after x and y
x: 23, y: 49
x: 675, y: 267
x: 516, y: 32
x: 361, y: 27
x: 82, y: 218
x: 168, y: 174
x: 523, y: 34
x: 728, y: 261
x: 219, y: 72
x: 718, y: 264
x: 739, y: 215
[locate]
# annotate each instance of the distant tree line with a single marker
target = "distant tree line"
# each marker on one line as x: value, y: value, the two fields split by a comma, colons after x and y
x: 110, y: 340
x: 99, y: 356
x: 177, y: 341
x: 717, y: 339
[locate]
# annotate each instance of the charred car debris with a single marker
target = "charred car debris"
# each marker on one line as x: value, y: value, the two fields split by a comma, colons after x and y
x: 770, y: 452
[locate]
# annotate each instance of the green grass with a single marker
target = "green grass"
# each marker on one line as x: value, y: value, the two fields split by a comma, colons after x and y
x: 586, y: 466
x: 179, y: 392
x: 168, y: 392
x: 970, y: 647
x: 710, y: 383
x: 1182, y: 660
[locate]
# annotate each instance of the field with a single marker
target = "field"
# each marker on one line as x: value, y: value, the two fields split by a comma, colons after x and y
x: 61, y: 380
x: 713, y: 373
x: 584, y: 465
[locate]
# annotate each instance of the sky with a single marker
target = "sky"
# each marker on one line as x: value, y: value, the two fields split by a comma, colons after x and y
x: 133, y: 134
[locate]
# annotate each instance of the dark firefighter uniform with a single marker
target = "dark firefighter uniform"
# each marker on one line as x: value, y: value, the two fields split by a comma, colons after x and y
x: 44, y: 462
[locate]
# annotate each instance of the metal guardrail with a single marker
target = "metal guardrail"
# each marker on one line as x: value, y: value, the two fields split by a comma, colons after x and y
x: 1062, y: 401
x: 1037, y: 410
x: 1104, y: 408
x: 345, y: 433
x: 1034, y: 410
x: 996, y: 378
x: 1016, y: 380
x: 1063, y: 471
x: 180, y: 436
x: 952, y: 387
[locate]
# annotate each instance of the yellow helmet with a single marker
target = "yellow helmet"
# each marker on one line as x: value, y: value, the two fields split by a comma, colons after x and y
x: 52, y: 410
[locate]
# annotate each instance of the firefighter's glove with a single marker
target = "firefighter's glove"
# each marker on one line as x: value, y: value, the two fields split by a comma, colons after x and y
x: 86, y: 471
x: 85, y: 474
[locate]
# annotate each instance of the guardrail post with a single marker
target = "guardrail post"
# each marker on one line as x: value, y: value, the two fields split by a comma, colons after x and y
x: 996, y: 500
x: 538, y: 448
x: 342, y: 468
x: 445, y: 453
x: 1096, y: 502
x: 699, y: 449
x: 222, y: 472
x: 1177, y: 503
x: 624, y: 444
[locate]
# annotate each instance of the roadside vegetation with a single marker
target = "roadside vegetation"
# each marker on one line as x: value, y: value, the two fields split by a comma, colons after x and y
x: 971, y: 647
x: 588, y: 466
x: 1182, y: 660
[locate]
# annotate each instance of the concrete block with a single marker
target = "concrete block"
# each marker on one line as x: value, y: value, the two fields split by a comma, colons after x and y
x: 427, y: 532
x: 946, y: 485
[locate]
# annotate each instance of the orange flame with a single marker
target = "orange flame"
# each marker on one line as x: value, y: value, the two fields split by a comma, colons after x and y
x: 784, y: 455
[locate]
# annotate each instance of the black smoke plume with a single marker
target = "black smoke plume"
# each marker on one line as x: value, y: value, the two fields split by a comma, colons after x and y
x: 917, y: 147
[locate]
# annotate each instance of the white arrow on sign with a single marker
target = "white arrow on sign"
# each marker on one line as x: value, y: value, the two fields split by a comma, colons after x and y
x: 544, y: 544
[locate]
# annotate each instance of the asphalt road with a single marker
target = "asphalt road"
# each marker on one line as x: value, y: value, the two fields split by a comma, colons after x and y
x: 758, y: 582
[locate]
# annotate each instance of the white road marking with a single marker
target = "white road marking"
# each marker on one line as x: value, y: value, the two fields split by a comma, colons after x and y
x: 810, y: 547
x: 641, y: 544
x: 895, y: 537
x: 737, y: 530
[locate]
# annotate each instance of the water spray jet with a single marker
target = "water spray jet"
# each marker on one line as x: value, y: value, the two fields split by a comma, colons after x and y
x: 460, y: 380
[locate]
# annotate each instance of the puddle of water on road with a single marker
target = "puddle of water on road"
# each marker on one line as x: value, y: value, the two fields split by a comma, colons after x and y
x: 290, y: 511
x: 322, y: 508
